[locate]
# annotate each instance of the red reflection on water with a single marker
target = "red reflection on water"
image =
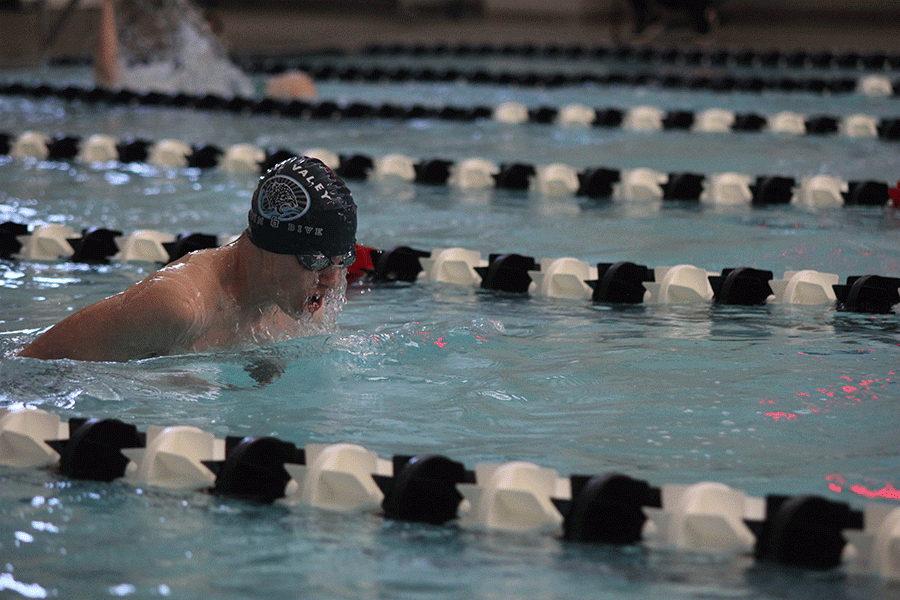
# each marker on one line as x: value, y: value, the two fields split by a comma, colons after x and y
x: 837, y: 483
x: 781, y: 415
x: 888, y: 492
x: 794, y: 251
x: 440, y: 342
x: 848, y: 392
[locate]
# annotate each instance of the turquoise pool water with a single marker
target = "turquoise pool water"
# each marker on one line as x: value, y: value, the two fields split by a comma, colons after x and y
x: 769, y: 399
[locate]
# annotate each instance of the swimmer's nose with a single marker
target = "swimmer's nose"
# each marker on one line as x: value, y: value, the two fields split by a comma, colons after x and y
x: 330, y: 277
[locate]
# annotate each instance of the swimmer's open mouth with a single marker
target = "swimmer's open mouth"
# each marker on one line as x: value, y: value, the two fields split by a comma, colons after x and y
x: 314, y: 303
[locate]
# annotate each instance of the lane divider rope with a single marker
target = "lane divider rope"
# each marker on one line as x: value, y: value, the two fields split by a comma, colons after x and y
x: 636, y: 118
x: 805, y: 531
x: 671, y: 55
x: 549, y: 180
x: 675, y: 79
x: 569, y: 278
x: 748, y: 58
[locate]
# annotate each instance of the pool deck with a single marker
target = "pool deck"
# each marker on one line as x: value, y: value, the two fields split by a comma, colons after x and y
x: 281, y: 31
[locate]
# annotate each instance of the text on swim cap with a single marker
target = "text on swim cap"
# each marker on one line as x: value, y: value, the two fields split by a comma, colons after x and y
x: 275, y: 223
x: 300, y: 170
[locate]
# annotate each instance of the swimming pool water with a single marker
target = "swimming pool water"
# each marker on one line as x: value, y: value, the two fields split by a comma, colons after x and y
x: 769, y: 399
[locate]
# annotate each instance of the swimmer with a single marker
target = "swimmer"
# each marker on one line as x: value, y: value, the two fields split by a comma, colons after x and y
x: 285, y: 271
x: 168, y: 46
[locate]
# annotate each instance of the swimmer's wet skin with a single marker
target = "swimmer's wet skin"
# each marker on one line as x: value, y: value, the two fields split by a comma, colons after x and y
x: 282, y: 278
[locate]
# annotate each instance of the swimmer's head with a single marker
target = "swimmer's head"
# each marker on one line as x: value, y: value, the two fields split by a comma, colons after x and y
x: 300, y: 207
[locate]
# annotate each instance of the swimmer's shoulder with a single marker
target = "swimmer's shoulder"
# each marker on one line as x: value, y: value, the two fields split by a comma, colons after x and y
x: 174, y: 295
x: 190, y: 271
x: 192, y: 285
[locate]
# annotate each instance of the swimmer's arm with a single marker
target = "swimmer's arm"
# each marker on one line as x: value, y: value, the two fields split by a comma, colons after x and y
x: 106, y: 54
x: 138, y: 323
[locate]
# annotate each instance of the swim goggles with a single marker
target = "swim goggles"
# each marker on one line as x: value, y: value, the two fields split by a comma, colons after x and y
x: 318, y: 262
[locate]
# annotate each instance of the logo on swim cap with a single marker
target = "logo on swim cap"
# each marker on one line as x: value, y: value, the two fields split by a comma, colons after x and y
x: 301, y: 207
x: 282, y: 198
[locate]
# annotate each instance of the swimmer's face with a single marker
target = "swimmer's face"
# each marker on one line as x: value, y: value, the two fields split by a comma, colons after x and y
x: 296, y: 290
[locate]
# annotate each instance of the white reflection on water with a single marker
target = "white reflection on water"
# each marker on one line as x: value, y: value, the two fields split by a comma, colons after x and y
x: 28, y: 590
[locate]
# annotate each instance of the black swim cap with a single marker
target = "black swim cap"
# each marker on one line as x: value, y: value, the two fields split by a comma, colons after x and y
x: 301, y: 207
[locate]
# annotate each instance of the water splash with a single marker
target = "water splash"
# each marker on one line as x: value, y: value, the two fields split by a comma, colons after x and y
x: 273, y: 328
x: 168, y: 46
x: 416, y: 341
x: 153, y: 30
